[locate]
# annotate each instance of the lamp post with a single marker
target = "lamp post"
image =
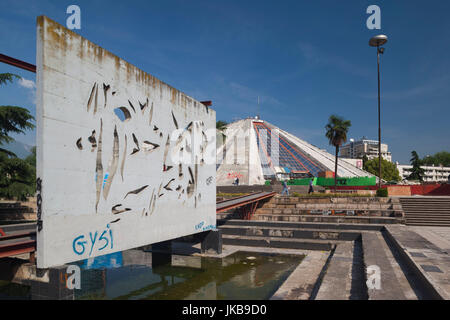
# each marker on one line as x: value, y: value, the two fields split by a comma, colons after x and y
x: 377, y: 42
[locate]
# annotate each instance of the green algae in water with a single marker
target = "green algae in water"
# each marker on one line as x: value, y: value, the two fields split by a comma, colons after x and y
x: 242, y: 275
x: 13, y: 291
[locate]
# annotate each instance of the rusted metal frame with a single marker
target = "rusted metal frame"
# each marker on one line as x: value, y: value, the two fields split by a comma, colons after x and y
x: 16, y: 252
x: 244, y: 196
x: 249, y: 210
x: 246, y: 202
x: 240, y: 204
x: 33, y: 257
x: 206, y: 103
x: 252, y: 212
x: 17, y: 248
x: 17, y: 63
x: 17, y: 235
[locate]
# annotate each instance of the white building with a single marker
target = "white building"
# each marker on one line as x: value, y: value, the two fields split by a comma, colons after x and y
x: 364, y: 147
x: 432, y: 173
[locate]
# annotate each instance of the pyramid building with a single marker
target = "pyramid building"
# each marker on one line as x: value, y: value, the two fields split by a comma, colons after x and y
x: 254, y: 151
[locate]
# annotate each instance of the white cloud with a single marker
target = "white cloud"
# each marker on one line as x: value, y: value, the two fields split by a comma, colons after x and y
x: 29, y: 84
x: 316, y: 56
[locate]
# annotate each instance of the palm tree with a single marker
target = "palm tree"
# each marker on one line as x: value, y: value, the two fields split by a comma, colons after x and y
x: 337, y: 129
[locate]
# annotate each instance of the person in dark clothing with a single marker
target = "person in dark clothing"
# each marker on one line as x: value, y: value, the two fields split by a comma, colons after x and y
x: 285, y: 188
x: 311, y: 189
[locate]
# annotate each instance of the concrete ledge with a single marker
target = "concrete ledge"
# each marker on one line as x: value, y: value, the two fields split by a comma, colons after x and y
x: 433, y: 288
x: 337, y: 282
x: 301, y: 225
x: 273, y: 242
x: 287, y: 232
x: 300, y: 284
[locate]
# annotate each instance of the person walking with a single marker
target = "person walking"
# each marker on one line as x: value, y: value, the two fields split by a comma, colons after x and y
x: 285, y: 188
x: 311, y: 189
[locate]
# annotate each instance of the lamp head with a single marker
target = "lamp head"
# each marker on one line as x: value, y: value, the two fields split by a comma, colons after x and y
x: 378, y: 40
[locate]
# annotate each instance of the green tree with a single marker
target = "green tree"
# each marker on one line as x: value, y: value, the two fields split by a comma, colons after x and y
x: 17, y: 176
x: 336, y: 132
x: 438, y: 159
x: 417, y: 172
x: 365, y: 159
x: 220, y: 127
x: 389, y: 170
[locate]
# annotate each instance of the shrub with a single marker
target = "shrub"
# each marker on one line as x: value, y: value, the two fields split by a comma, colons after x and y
x: 383, y: 192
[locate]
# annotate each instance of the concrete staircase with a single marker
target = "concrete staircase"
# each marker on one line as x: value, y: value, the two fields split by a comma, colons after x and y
x: 352, y: 250
x: 345, y: 206
x: 289, y: 235
x: 426, y: 211
x: 18, y: 211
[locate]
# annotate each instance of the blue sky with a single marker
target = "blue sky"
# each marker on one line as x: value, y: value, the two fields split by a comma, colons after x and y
x: 305, y: 59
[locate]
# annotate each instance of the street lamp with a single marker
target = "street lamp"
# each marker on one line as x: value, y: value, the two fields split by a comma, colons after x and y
x: 377, y: 42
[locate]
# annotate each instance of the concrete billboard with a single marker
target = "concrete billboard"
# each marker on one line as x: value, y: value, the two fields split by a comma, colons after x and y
x: 123, y: 159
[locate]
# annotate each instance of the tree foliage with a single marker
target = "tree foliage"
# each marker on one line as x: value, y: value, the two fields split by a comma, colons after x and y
x: 17, y: 176
x: 389, y: 171
x: 438, y: 159
x: 221, y: 125
x: 336, y: 132
x: 417, y: 172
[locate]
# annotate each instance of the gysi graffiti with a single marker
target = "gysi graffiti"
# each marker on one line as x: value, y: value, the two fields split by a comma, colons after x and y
x: 83, y: 242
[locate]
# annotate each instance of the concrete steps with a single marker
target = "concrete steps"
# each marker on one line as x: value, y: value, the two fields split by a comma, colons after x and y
x: 278, y: 242
x: 302, y: 225
x: 319, y: 218
x: 393, y: 284
x: 426, y: 211
x: 17, y: 211
x: 319, y: 210
x: 353, y: 249
x: 337, y: 280
x: 285, y: 232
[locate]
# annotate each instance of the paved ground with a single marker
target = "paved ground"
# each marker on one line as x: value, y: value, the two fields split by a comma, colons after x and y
x: 428, y: 248
x: 439, y: 236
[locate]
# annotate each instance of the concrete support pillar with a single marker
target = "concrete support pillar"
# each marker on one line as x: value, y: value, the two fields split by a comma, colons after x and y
x: 211, y: 241
x: 161, y: 253
x: 55, y: 288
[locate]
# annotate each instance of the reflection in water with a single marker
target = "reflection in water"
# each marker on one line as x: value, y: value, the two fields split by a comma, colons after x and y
x: 136, y: 274
x: 242, y: 275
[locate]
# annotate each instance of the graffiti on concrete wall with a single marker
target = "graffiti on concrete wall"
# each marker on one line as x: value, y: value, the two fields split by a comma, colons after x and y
x: 117, y: 147
x: 234, y: 175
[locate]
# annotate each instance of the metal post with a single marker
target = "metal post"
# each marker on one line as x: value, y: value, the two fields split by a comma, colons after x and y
x: 379, y: 120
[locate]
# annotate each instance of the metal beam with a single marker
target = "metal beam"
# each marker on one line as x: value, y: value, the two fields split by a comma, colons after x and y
x: 206, y: 103
x: 17, y: 63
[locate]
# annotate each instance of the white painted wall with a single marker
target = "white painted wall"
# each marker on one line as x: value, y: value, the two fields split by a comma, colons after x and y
x: 75, y: 208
